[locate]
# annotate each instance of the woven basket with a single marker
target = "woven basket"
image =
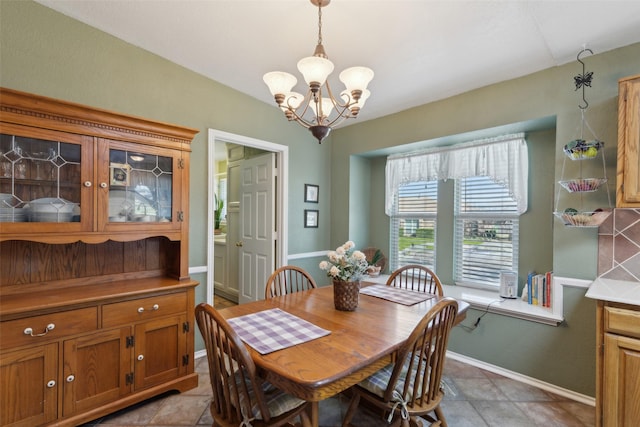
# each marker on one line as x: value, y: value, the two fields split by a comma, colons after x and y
x: 345, y: 295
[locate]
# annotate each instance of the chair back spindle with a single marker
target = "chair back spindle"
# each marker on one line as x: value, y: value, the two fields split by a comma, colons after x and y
x: 416, y: 277
x: 288, y: 279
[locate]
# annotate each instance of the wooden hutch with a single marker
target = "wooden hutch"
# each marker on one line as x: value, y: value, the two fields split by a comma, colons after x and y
x: 96, y: 303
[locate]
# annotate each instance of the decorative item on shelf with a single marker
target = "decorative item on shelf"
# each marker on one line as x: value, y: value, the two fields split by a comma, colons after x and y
x: 581, y: 149
x: 217, y: 216
x: 346, y: 267
x: 51, y: 209
x: 315, y: 70
x: 582, y: 185
x: 572, y: 218
x: 376, y: 261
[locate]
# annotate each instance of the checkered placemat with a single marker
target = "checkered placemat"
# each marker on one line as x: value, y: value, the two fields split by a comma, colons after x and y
x: 390, y: 293
x: 274, y: 329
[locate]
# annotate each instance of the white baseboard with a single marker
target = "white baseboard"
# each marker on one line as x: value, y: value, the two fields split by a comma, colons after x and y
x: 552, y: 388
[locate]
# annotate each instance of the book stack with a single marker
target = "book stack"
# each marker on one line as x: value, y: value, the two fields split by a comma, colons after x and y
x: 539, y: 289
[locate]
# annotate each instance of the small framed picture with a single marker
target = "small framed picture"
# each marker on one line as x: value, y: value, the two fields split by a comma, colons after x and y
x: 119, y: 174
x: 311, y: 193
x: 310, y: 218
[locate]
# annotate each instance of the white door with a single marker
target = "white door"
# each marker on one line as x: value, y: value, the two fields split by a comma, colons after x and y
x: 257, y: 226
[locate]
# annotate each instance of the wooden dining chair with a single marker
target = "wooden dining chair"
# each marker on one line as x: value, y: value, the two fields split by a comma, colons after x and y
x: 240, y: 397
x: 417, y: 278
x: 411, y: 387
x: 288, y: 279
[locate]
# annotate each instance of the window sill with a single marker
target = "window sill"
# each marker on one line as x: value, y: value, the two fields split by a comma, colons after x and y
x: 491, y: 302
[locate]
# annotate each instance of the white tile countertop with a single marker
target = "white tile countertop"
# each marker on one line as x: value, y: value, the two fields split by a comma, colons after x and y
x: 615, y: 291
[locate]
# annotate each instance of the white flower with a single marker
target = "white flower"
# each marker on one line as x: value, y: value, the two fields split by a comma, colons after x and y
x: 359, y: 256
x: 345, y: 263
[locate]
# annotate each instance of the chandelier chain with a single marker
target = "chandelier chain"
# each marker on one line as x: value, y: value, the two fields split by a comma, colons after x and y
x: 319, y: 22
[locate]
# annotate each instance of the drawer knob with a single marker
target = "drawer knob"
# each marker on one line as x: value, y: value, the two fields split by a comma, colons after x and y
x: 70, y: 378
x: 140, y: 357
x: 51, y: 384
x: 103, y: 185
x: 87, y: 184
x: 154, y: 308
x: 29, y: 331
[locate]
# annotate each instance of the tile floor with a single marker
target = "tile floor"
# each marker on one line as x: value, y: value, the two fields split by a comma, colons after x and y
x: 474, y: 398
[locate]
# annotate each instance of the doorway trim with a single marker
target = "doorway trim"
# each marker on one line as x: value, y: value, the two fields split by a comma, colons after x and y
x: 282, y: 196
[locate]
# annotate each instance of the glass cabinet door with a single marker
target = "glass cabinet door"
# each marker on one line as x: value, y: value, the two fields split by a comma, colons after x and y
x: 40, y: 179
x: 140, y: 187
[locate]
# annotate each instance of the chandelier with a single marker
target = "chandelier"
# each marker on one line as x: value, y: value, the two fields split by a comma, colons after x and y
x: 319, y: 109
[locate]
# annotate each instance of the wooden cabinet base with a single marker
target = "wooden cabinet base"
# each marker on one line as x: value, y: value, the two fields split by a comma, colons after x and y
x: 182, y: 384
x: 618, y: 365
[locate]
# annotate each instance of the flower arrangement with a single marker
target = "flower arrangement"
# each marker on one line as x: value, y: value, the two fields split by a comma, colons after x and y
x: 345, y: 263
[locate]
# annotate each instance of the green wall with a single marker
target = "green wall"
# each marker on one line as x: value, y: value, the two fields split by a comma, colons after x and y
x: 47, y: 53
x: 44, y: 52
x: 545, y: 106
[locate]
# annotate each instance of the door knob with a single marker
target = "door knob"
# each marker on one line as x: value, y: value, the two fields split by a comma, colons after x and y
x: 239, y: 244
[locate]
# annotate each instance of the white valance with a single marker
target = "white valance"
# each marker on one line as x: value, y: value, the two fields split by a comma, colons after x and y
x: 504, y: 160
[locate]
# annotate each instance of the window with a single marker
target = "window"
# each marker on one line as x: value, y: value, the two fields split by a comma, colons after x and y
x: 491, y: 184
x: 486, y: 232
x: 413, y: 224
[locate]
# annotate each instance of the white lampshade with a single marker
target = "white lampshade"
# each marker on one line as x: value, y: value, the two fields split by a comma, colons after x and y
x: 315, y: 69
x: 327, y: 107
x: 356, y: 78
x: 293, y: 100
x: 279, y: 82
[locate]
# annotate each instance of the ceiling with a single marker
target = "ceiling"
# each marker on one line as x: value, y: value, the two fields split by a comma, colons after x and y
x: 420, y: 50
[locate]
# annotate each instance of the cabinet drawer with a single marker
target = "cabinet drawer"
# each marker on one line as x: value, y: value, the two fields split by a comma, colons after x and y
x: 621, y: 321
x: 126, y: 312
x: 48, y: 327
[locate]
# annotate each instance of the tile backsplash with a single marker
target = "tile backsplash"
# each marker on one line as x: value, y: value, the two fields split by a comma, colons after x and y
x: 619, y: 246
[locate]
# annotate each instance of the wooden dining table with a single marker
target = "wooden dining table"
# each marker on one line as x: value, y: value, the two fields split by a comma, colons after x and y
x: 360, y: 342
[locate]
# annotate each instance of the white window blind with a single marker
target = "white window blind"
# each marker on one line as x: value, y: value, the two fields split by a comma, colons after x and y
x: 413, y: 225
x: 486, y: 231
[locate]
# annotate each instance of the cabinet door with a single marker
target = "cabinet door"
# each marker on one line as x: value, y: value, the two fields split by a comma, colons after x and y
x: 140, y: 187
x: 628, y: 178
x: 621, y: 387
x: 161, y: 351
x: 45, y: 180
x: 97, y: 370
x: 29, y: 390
